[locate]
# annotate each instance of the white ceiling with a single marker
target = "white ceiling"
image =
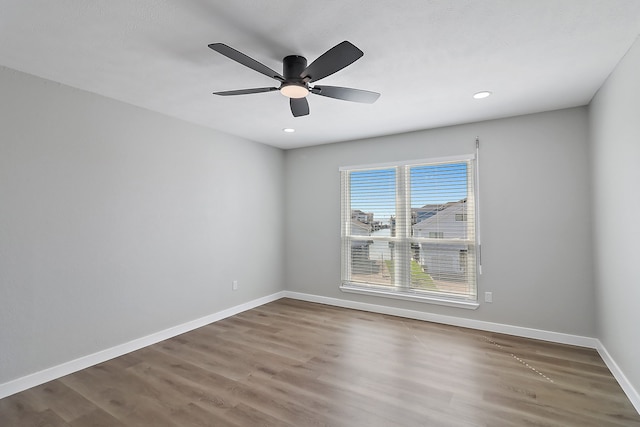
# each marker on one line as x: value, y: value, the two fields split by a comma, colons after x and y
x: 426, y: 58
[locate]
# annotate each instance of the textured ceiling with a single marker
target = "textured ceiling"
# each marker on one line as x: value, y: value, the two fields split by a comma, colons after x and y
x: 426, y: 58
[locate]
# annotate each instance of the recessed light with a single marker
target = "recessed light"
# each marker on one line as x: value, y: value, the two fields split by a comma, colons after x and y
x: 288, y: 130
x: 482, y: 94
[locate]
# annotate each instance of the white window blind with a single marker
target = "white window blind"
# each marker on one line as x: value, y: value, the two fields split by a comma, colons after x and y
x: 410, y: 229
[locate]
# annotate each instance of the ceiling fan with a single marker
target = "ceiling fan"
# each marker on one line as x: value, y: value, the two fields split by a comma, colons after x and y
x: 296, y: 76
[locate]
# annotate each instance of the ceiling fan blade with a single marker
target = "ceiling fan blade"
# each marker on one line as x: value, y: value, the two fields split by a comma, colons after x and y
x: 333, y: 60
x: 299, y: 106
x: 245, y: 91
x: 243, y: 59
x: 346, y: 94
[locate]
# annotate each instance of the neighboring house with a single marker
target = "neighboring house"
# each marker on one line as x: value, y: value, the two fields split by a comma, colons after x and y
x: 425, y: 212
x: 360, y: 248
x: 359, y: 228
x: 360, y: 216
x: 444, y: 261
x: 417, y: 215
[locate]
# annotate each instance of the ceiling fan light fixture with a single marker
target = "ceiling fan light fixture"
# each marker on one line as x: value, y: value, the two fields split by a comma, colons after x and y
x: 293, y: 90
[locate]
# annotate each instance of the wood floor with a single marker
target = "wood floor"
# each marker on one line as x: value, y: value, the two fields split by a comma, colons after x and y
x: 298, y: 364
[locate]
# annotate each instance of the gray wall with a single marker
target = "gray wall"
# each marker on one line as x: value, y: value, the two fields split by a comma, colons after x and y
x: 615, y: 151
x: 117, y: 222
x: 535, y: 216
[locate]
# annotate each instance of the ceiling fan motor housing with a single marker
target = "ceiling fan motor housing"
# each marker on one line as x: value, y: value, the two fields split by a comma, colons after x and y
x: 292, y: 68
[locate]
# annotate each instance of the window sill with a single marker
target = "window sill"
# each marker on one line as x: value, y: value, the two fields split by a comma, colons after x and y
x: 469, y: 305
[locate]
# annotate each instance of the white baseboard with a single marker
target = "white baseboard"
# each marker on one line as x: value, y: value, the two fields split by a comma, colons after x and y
x: 556, y: 337
x: 626, y: 385
x: 46, y: 375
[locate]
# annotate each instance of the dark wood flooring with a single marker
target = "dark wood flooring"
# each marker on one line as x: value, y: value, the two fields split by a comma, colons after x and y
x: 297, y: 364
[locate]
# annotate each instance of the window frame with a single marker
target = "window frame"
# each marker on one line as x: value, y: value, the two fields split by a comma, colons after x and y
x: 403, y: 216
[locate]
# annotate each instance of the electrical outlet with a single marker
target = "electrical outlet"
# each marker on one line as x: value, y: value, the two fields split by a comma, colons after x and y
x: 488, y: 297
x: 234, y: 285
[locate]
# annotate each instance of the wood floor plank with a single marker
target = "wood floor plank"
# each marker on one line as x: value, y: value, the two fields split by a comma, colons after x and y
x: 122, y: 395
x: 19, y: 410
x: 246, y: 415
x: 96, y: 418
x: 64, y: 401
x: 184, y: 383
x: 194, y: 415
x: 292, y: 363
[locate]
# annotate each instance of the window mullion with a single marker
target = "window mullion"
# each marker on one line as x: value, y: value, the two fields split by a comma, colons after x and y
x: 403, y: 228
x: 345, y: 182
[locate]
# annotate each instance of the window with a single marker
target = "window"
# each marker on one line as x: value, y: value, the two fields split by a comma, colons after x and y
x: 408, y: 230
